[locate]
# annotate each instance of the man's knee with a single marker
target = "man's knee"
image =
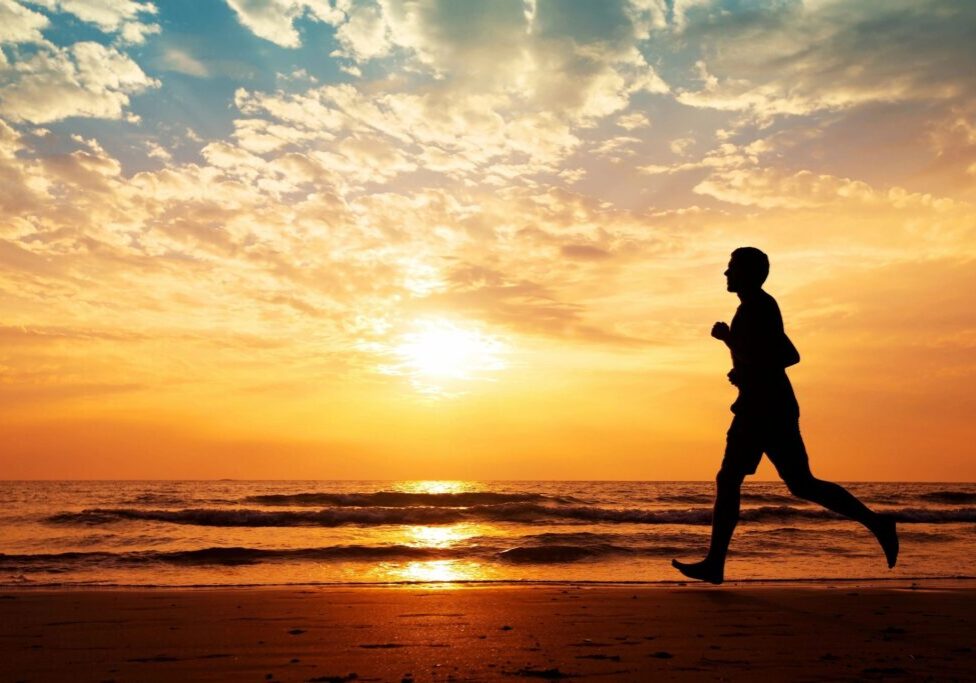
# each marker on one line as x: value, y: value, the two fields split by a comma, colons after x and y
x: 802, y: 486
x: 728, y: 477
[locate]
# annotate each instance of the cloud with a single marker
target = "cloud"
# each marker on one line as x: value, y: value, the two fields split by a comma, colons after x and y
x: 25, y: 190
x: 682, y: 8
x: 768, y: 188
x: 32, y: 335
x: 616, y: 148
x: 773, y: 188
x: 584, y: 252
x: 86, y: 79
x: 681, y: 146
x: 494, y: 99
x: 796, y: 58
x: 362, y: 135
x: 123, y: 17
x: 952, y: 139
x: 726, y: 155
x: 519, y: 305
x: 156, y: 151
x: 363, y: 35
x: 578, y: 60
x: 18, y: 24
x: 633, y: 121
x: 253, y: 240
x: 274, y: 20
x: 181, y: 61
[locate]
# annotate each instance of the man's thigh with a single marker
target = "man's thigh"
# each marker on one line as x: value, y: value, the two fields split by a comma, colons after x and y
x: 743, y: 447
x: 784, y: 446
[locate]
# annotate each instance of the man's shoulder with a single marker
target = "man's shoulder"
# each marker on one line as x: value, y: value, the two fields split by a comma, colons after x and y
x: 758, y: 309
x: 766, y: 300
x: 759, y: 302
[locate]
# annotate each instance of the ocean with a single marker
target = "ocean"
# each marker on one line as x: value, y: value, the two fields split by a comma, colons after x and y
x: 194, y: 533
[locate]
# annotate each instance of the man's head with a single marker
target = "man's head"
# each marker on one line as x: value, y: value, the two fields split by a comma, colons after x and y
x: 747, y: 269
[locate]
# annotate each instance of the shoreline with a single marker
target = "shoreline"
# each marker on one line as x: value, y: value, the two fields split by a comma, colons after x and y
x: 911, y: 582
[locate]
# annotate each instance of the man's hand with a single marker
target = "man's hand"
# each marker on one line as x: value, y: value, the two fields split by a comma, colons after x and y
x: 721, y: 331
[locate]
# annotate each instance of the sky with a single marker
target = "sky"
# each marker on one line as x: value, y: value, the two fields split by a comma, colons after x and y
x: 458, y: 239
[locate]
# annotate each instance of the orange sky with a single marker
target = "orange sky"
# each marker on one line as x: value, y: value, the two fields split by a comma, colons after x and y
x: 383, y: 239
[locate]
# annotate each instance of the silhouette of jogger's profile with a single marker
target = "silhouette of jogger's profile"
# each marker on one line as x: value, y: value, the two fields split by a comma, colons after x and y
x: 767, y: 420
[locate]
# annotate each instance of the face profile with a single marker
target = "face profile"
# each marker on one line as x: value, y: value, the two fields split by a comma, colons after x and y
x: 733, y: 277
x: 747, y: 270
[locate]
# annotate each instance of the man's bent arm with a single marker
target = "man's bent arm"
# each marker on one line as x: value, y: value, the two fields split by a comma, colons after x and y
x: 759, y: 341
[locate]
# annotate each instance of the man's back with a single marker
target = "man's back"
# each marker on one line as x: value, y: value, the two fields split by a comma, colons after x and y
x: 761, y: 352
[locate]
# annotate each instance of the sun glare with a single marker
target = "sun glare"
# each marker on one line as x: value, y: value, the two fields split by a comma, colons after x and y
x: 440, y: 352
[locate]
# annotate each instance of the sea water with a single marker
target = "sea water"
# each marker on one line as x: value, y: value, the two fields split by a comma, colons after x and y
x: 189, y: 533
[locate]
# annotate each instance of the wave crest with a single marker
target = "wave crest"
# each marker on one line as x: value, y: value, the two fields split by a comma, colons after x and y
x: 404, y: 499
x: 532, y: 551
x: 950, y: 497
x: 507, y: 512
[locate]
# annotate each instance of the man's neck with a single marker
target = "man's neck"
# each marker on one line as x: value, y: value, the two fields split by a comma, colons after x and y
x: 749, y: 294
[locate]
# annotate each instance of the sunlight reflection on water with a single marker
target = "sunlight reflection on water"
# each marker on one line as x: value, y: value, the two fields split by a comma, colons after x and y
x: 439, y: 536
x: 437, y: 486
x: 435, y: 571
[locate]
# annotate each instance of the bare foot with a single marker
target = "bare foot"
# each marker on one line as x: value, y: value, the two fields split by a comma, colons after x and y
x: 701, y: 571
x: 887, y: 536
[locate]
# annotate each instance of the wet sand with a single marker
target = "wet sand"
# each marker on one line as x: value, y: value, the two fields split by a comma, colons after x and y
x: 483, y: 633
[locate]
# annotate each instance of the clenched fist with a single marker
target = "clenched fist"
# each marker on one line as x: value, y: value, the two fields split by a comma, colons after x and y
x: 721, y: 331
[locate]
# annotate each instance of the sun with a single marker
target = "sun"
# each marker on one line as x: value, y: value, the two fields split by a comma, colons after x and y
x: 437, y: 351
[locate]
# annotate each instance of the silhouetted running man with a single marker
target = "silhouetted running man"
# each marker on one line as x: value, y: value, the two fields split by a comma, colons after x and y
x: 767, y: 420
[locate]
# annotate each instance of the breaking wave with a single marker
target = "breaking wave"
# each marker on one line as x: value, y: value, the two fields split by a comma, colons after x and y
x: 949, y: 497
x: 709, y: 498
x: 505, y: 512
x: 533, y: 551
x: 405, y: 499
x: 228, y: 556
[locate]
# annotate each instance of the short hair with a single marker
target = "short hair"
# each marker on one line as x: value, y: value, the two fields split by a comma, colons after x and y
x: 754, y: 263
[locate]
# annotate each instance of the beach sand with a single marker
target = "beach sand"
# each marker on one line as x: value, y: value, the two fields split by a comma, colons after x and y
x: 479, y: 633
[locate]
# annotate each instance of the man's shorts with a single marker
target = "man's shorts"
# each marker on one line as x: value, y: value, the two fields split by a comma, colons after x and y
x: 779, y: 438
